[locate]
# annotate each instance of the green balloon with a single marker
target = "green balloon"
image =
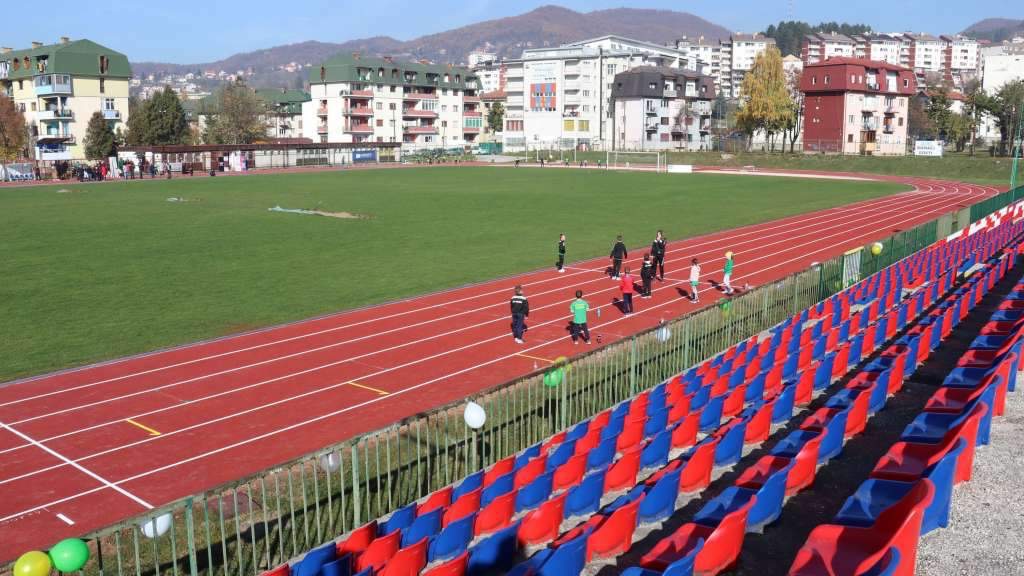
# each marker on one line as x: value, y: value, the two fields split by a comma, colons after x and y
x: 553, y: 378
x: 69, y: 555
x: 33, y: 563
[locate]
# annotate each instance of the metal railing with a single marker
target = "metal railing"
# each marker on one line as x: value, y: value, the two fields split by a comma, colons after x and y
x: 263, y: 520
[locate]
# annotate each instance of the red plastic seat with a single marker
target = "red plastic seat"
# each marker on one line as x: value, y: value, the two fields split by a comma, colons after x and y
x: 440, y: 499
x: 379, y: 552
x: 569, y: 474
x: 968, y: 430
x: 857, y: 417
x: 632, y: 433
x: 663, y: 471
x: 680, y: 407
x: 282, y: 570
x: 804, y: 388
x: 907, y: 461
x: 685, y: 434
x: 408, y: 561
x: 530, y: 471
x: 760, y: 424
x: 543, y: 524
x: 467, y: 504
x: 722, y: 544
x: 773, y: 379
x: 553, y: 442
x: 454, y: 567
x: 615, y: 535
x: 837, y: 549
x: 589, y: 441
x: 806, y: 466
x: 733, y: 403
x: 358, y: 540
x: 622, y: 473
x: 841, y: 363
x: 696, y: 473
x: 496, y: 515
x: 500, y: 468
x: 600, y: 420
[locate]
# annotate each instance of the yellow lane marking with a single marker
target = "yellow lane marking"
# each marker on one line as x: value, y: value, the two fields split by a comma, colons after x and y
x: 370, y: 388
x: 143, y: 426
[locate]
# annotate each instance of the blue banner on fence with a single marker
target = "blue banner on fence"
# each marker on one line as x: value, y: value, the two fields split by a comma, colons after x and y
x: 364, y: 156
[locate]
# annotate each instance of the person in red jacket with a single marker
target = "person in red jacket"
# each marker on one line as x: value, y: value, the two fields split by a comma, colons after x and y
x: 626, y: 285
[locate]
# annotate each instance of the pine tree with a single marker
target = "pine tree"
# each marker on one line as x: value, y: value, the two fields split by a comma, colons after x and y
x: 164, y: 120
x: 496, y: 117
x: 99, y: 138
x: 765, y: 103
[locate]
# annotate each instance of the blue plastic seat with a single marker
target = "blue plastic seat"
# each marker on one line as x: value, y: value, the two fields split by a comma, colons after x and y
x: 835, y: 434
x: 524, y: 458
x: 660, y: 501
x: 585, y: 497
x: 783, y: 409
x: 682, y: 567
x: 535, y: 493
x: 700, y: 398
x: 789, y: 368
x: 823, y: 371
x: 656, y: 423
x: 856, y: 349
x: 569, y: 558
x: 730, y: 444
x: 340, y: 567
x: 727, y: 501
x: 771, y: 493
x: 791, y: 445
x: 755, y: 388
x: 399, y: 520
x: 496, y: 552
x: 315, y: 559
x: 502, y: 485
x: 453, y: 540
x: 711, y: 415
x: 561, y: 454
x: 578, y: 431
x: 655, y: 453
x: 424, y: 526
x: 472, y: 482
x: 602, y: 454
x: 930, y: 427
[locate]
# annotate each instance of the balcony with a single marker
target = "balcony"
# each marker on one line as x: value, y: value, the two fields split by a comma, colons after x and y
x: 513, y: 87
x: 52, y: 84
x: 419, y: 130
x: 514, y: 73
x: 417, y: 113
x: 54, y: 138
x: 678, y: 129
x: 868, y: 127
x: 322, y: 129
x: 571, y: 85
x: 357, y: 93
x: 471, y: 129
x: 670, y: 93
x: 359, y: 129
x: 651, y: 111
x: 472, y: 114
x: 419, y: 96
x: 470, y: 98
x: 889, y: 129
x: 321, y: 111
x: 651, y: 126
x: 358, y: 111
x: 573, y: 70
x: 890, y: 110
x: 111, y: 114
x: 54, y: 115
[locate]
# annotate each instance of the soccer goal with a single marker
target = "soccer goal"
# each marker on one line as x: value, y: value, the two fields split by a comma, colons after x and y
x: 653, y: 161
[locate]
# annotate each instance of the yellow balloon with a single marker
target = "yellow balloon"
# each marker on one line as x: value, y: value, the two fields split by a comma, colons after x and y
x: 876, y: 248
x: 33, y: 563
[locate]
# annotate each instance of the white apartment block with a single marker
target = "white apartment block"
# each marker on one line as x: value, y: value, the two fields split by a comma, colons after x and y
x: 961, y: 57
x: 740, y: 52
x: 824, y: 45
x: 660, y: 108
x: 927, y: 53
x: 702, y: 55
x: 491, y: 75
x: 423, y: 106
x: 477, y: 57
x: 562, y: 97
x: 999, y: 64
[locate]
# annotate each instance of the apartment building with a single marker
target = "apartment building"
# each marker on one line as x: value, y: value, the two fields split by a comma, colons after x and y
x: 702, y: 55
x: 960, y: 62
x: 284, y: 111
x: 999, y: 65
x: 361, y: 99
x: 661, y: 108
x: 491, y: 74
x: 562, y: 97
x: 824, y: 45
x: 60, y: 86
x: 856, y: 106
x: 738, y: 55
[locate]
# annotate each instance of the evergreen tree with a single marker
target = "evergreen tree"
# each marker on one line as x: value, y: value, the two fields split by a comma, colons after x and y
x: 765, y: 103
x: 164, y: 119
x: 99, y: 138
x: 496, y: 117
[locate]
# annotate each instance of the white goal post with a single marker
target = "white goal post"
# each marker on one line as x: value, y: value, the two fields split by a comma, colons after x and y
x: 652, y: 161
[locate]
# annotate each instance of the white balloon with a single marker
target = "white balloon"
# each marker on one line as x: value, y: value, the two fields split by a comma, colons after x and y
x: 663, y: 334
x: 156, y: 527
x: 330, y: 462
x: 475, y: 416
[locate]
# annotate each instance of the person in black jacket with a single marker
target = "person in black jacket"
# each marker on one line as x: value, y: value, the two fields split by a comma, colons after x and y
x: 561, y: 253
x: 520, y: 311
x: 647, y: 275
x: 618, y: 255
x: 658, y: 255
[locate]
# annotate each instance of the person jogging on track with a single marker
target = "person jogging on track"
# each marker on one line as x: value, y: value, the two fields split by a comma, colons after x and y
x: 579, y: 309
x: 561, y: 254
x: 618, y: 255
x: 520, y: 311
x: 727, y: 273
x: 626, y: 285
x: 694, y: 281
x: 658, y: 254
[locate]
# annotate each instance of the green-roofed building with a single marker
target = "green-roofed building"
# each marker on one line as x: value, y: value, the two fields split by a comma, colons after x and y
x: 283, y: 111
x: 60, y: 86
x: 423, y: 106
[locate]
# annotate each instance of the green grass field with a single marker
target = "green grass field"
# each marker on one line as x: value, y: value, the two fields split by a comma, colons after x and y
x: 93, y: 272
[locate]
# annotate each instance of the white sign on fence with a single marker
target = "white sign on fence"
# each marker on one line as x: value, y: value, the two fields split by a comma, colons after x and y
x: 928, y: 148
x: 680, y: 168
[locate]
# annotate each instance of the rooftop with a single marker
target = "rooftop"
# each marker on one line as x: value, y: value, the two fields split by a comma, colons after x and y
x: 75, y: 57
x: 357, y: 68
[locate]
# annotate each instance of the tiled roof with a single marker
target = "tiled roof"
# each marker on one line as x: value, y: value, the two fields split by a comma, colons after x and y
x: 78, y: 58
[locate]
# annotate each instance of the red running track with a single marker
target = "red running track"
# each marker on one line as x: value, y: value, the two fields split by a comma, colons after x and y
x: 75, y: 457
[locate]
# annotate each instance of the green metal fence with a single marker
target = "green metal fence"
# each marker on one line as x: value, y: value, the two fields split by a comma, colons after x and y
x: 261, y: 521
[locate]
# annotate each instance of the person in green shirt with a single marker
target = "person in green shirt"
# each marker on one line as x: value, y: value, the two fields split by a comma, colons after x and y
x: 579, y: 309
x: 727, y: 273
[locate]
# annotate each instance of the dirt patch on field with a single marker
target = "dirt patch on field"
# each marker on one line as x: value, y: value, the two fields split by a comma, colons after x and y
x: 345, y: 215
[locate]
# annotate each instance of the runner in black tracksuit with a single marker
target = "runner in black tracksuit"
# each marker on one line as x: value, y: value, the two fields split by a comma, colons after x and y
x: 520, y: 311
x: 647, y: 275
x: 618, y: 255
x: 561, y: 253
x: 658, y: 256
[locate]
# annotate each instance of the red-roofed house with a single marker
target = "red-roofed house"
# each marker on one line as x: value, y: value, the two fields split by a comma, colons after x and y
x: 856, y: 106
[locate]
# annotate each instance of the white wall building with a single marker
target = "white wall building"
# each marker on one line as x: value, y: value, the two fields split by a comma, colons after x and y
x: 491, y: 75
x: 741, y: 50
x: 999, y: 64
x: 824, y: 45
x: 562, y: 97
x: 660, y: 108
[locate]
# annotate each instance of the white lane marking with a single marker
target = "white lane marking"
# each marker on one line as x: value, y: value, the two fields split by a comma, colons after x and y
x: 65, y: 519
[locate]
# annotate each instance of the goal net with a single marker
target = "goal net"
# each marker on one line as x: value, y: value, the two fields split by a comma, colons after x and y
x: 654, y: 161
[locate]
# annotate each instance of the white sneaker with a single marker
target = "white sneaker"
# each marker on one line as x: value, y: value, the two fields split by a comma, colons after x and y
x: 574, y: 343
x: 518, y: 341
x: 561, y: 270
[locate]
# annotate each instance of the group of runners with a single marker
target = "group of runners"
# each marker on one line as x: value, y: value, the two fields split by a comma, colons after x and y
x: 653, y: 268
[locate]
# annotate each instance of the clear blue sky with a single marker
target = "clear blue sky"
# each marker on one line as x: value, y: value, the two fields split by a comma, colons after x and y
x: 189, y: 31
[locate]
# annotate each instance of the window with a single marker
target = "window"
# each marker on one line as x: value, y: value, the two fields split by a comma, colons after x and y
x: 104, y: 64
x: 380, y: 105
x: 849, y: 138
x: 380, y: 138
x: 901, y: 122
x: 584, y: 125
x: 814, y: 80
x: 652, y: 86
x: 33, y: 106
x: 827, y: 78
x: 391, y: 106
x: 853, y: 78
x: 586, y: 93
x: 108, y: 103
x: 380, y: 123
x: 103, y: 86
x: 569, y: 125
x: 610, y: 68
x: 455, y: 107
x: 664, y: 120
x: 444, y: 123
x: 906, y: 83
x: 851, y: 119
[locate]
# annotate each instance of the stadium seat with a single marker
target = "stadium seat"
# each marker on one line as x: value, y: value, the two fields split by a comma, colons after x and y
x: 832, y: 423
x: 622, y: 474
x: 767, y: 477
x: 655, y: 453
x: 454, y: 567
x: 529, y: 472
x: 425, y: 526
x: 440, y: 499
x: 471, y: 483
x: 602, y: 455
x: 730, y: 442
x: 561, y: 455
x: 379, y: 551
x: 585, y: 497
x: 398, y: 520
x: 543, y: 524
x: 759, y: 421
x: 802, y: 447
x: 468, y: 503
x: 453, y: 539
x: 501, y: 485
x: 496, y: 552
x: 534, y: 493
x: 840, y: 549
x: 615, y: 534
x: 696, y: 473
x: 684, y: 434
x: 358, y: 540
x: 660, y: 501
x: 314, y: 560
x: 496, y: 515
x: 681, y: 567
x: 342, y: 566
x: 500, y: 468
x: 711, y: 415
x: 570, y: 473
x: 568, y: 559
x: 408, y: 561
